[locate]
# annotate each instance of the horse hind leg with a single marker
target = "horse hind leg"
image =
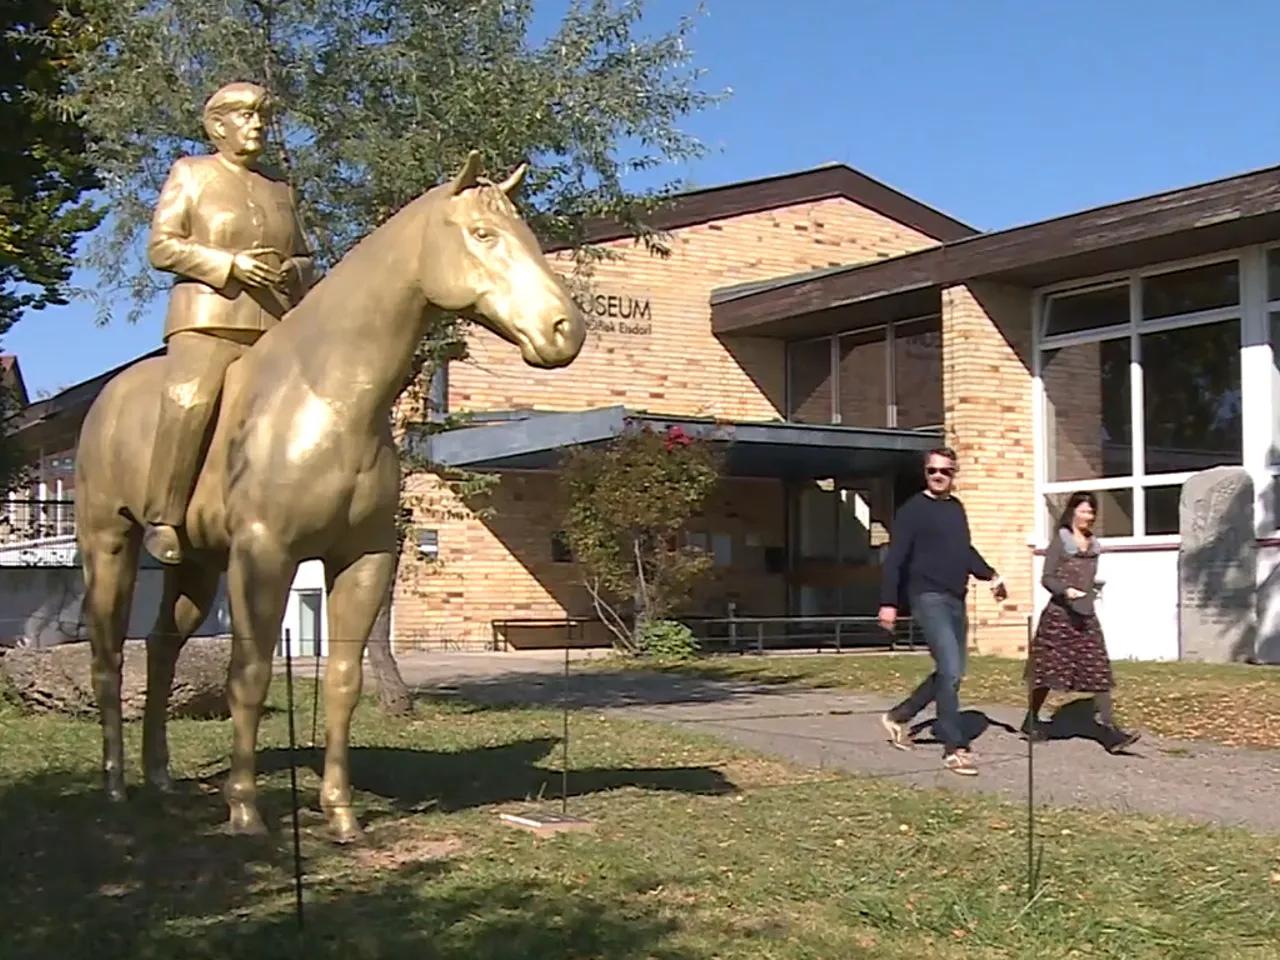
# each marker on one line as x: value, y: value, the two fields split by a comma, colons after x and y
x: 189, y: 590
x: 258, y: 579
x: 110, y: 562
x: 356, y: 593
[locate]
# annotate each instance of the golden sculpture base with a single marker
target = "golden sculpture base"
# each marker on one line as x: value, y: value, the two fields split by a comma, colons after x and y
x: 544, y: 823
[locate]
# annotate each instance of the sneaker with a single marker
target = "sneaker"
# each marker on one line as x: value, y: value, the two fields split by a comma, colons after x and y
x: 899, y: 735
x: 960, y: 762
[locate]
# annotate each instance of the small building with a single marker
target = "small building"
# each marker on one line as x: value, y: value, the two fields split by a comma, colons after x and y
x: 832, y: 330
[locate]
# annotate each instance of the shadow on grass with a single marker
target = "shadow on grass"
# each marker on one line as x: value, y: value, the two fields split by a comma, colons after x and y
x: 478, y: 777
x: 606, y: 689
x: 158, y: 877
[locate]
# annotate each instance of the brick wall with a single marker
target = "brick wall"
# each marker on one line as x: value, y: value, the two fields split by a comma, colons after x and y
x: 986, y: 337
x: 676, y: 365
x: 502, y: 567
x: 665, y: 360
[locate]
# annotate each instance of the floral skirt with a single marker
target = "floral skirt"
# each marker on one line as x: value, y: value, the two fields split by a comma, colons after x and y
x: 1068, y: 653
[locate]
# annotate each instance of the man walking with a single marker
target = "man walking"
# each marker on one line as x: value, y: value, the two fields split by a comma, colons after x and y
x: 929, y: 561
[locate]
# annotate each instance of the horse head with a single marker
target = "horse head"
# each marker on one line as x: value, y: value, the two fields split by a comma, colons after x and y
x: 484, y: 263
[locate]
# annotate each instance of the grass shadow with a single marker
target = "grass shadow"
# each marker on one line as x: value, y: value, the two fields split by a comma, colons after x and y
x: 596, y: 689
x: 484, y: 776
x: 71, y: 863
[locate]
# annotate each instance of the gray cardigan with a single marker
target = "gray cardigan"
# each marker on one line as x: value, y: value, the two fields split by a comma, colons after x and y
x: 1061, y: 546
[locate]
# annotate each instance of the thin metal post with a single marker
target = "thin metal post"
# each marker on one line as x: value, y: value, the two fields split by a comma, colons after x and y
x: 564, y: 753
x: 293, y: 781
x: 838, y: 636
x: 759, y: 636
x: 1032, y: 865
x: 315, y: 693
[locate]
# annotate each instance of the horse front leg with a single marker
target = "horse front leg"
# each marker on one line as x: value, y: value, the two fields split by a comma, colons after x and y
x: 258, y: 578
x: 356, y: 592
x: 110, y: 570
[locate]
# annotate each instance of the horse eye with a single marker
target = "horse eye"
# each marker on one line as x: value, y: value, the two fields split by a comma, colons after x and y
x: 482, y: 233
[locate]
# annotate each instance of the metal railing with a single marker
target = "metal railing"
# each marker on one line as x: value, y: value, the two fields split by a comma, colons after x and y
x: 738, y: 634
x: 742, y: 634
x: 30, y: 521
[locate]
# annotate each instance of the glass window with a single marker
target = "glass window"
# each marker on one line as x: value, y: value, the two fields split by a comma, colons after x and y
x: 816, y: 529
x: 809, y: 381
x: 1162, y: 509
x: 1273, y: 455
x: 863, y: 391
x: 917, y: 373
x: 1115, y: 511
x: 1090, y: 310
x: 1087, y: 413
x: 1191, y: 397
x: 1187, y: 291
x: 1273, y: 274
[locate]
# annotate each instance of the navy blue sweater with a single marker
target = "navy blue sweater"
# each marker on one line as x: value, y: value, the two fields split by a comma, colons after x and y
x: 930, y: 551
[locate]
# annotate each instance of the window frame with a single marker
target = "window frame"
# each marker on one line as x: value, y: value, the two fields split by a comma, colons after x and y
x: 1251, y: 311
x: 887, y: 340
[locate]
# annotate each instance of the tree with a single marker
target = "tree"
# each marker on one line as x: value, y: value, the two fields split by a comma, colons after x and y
x: 377, y: 100
x: 44, y: 177
x: 44, y: 173
x: 626, y: 504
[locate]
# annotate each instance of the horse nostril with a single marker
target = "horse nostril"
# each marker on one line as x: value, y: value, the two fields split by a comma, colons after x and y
x: 563, y: 327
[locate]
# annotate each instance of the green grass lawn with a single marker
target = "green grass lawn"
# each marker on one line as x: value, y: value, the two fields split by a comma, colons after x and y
x: 701, y: 851
x: 1234, y: 704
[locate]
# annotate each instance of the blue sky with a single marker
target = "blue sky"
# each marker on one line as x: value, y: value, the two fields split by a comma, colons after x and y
x: 998, y: 112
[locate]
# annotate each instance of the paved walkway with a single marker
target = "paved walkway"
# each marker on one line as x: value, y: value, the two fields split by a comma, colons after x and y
x: 832, y: 729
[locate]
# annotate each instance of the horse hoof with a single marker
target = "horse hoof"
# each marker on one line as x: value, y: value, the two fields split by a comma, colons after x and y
x: 160, y: 781
x: 345, y: 826
x: 246, y: 821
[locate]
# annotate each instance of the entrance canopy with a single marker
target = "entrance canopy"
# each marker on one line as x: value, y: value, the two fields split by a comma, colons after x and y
x: 531, y: 440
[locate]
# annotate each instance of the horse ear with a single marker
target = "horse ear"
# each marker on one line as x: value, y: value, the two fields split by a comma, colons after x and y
x: 511, y: 185
x: 469, y: 175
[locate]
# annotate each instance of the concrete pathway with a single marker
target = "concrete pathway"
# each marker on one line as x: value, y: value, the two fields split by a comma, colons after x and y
x: 833, y: 729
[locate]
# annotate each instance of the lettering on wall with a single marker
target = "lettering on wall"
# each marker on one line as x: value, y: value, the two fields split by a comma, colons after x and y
x: 614, y: 313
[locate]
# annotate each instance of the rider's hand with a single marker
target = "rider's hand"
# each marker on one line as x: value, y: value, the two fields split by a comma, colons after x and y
x: 1074, y: 594
x: 888, y: 616
x: 249, y: 269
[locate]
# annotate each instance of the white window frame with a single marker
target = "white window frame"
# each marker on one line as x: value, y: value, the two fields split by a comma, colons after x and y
x: 1256, y: 358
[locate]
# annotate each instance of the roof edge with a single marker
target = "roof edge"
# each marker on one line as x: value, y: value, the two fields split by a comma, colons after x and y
x: 722, y: 201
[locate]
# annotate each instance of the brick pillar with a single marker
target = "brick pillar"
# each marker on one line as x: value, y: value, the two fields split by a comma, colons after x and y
x: 986, y: 376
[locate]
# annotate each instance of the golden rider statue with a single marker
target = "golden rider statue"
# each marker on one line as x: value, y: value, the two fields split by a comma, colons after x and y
x: 231, y: 233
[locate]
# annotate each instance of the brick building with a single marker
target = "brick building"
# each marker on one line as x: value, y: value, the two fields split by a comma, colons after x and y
x: 828, y: 330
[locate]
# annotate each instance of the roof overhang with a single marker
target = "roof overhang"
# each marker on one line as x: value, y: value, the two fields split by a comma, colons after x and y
x: 789, y: 451
x: 711, y: 204
x: 1179, y: 224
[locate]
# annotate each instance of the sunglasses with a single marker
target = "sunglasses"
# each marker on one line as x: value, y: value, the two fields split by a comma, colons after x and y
x: 943, y: 471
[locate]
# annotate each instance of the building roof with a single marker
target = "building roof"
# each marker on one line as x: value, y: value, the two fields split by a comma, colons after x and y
x: 1222, y: 214
x: 73, y: 400
x: 709, y: 204
x: 11, y: 377
x: 534, y: 440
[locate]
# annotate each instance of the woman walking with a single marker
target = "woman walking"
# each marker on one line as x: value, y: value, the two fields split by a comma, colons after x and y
x: 1068, y: 651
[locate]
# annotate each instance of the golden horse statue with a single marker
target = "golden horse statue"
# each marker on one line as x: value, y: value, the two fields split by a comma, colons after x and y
x: 301, y: 465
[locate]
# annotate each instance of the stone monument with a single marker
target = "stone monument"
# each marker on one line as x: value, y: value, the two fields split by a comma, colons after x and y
x: 1217, y: 567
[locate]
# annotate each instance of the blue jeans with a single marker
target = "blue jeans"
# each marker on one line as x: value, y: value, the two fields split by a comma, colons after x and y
x: 944, y: 623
